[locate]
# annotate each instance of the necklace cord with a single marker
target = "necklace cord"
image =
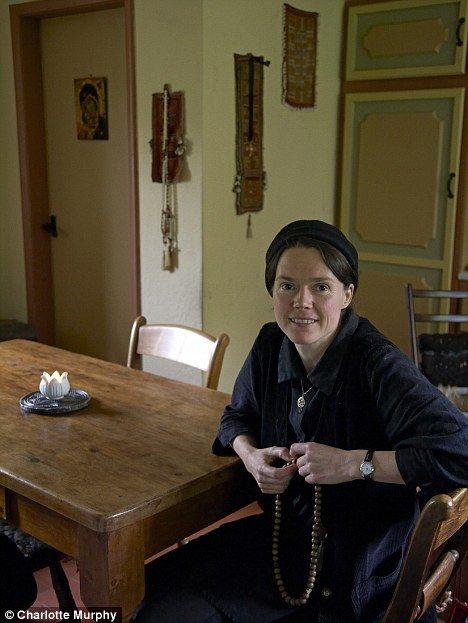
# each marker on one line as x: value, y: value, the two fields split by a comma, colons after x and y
x: 301, y: 401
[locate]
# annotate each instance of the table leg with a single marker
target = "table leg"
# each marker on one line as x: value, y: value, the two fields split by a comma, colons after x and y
x: 112, y: 568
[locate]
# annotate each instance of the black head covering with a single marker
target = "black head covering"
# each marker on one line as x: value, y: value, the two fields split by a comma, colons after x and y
x: 318, y: 230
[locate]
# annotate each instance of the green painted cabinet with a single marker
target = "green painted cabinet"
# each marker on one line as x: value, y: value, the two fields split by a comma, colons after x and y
x: 406, y: 38
x: 402, y: 178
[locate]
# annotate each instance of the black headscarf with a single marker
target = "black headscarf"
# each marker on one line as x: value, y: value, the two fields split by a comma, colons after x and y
x: 318, y: 230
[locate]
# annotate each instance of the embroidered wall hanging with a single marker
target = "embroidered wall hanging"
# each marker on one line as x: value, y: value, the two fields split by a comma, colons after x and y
x: 249, y: 182
x: 168, y: 149
x: 299, y: 57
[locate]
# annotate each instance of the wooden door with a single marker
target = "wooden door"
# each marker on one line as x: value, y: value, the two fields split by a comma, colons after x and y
x: 88, y: 186
x: 25, y: 27
x: 401, y: 155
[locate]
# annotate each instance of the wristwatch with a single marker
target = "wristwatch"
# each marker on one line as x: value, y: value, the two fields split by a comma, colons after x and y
x: 367, y: 467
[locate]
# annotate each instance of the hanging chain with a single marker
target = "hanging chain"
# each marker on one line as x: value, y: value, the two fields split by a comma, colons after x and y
x: 167, y: 213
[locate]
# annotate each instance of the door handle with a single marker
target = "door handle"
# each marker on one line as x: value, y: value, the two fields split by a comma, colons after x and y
x: 461, y: 21
x: 51, y: 226
x: 450, y: 194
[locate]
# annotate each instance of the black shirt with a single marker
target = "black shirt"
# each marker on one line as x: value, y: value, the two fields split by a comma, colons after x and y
x: 367, y: 395
x: 317, y: 384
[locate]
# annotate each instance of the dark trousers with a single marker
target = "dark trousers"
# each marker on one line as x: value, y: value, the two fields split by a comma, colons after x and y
x: 18, y: 588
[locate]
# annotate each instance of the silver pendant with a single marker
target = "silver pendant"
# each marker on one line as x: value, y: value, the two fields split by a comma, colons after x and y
x: 301, y: 402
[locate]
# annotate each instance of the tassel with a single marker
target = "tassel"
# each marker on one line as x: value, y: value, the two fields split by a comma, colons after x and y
x: 249, y: 228
x: 167, y: 259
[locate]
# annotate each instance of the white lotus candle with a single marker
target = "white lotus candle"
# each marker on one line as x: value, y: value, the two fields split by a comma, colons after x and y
x: 54, y: 386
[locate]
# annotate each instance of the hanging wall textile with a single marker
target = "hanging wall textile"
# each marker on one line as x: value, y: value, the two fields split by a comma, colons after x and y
x: 250, y: 177
x: 299, y: 57
x: 175, y: 131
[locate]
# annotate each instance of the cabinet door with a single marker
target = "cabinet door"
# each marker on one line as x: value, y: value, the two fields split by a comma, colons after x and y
x: 406, y: 38
x: 399, y: 185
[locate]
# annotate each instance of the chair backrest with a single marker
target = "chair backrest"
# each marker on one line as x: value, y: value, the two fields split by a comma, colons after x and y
x: 437, y: 547
x: 178, y: 343
x: 440, y: 295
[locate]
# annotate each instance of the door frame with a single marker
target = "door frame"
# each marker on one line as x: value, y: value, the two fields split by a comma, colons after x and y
x: 27, y: 63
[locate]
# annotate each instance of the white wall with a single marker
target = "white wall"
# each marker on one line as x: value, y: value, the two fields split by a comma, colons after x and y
x: 300, y: 150
x: 169, y: 51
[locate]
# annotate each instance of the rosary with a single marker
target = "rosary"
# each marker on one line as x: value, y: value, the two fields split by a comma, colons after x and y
x: 317, y: 536
x: 316, y: 550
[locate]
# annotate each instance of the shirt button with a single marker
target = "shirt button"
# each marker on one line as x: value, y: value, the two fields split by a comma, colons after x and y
x: 326, y: 593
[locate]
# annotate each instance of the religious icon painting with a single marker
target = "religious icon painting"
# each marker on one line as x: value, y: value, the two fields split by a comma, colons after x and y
x: 91, y: 109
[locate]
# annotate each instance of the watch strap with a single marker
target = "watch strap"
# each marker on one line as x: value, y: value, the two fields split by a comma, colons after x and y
x: 369, y: 455
x: 367, y: 475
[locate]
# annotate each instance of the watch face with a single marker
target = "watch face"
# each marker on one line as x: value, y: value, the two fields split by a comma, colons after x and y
x: 367, y: 469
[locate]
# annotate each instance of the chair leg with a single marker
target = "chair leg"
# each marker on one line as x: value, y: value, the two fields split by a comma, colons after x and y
x: 61, y: 587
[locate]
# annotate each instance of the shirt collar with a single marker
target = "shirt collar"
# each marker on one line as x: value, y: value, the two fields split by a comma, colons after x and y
x: 323, y: 376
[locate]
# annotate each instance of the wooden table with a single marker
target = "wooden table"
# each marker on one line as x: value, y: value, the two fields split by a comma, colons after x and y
x: 119, y: 481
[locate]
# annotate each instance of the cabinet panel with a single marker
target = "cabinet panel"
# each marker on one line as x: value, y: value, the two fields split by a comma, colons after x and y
x: 406, y: 38
x: 401, y: 152
x: 380, y: 297
x: 401, y: 155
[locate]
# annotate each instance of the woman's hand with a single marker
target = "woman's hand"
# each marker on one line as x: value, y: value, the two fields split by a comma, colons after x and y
x: 320, y: 464
x: 270, y: 479
x: 259, y: 462
x: 324, y: 465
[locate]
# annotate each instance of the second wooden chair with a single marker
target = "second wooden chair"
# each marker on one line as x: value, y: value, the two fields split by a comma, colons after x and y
x: 179, y: 343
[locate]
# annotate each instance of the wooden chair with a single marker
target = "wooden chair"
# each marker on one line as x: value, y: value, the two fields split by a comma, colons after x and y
x: 178, y: 343
x: 441, y: 357
x: 414, y: 318
x: 436, y: 550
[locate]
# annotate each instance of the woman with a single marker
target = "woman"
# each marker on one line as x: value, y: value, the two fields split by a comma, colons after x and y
x: 339, y: 430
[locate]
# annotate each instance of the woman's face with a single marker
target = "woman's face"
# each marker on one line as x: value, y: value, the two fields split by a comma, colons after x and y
x: 308, y: 299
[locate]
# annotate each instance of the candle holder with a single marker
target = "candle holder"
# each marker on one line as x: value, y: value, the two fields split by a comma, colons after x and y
x: 55, y: 396
x: 54, y: 386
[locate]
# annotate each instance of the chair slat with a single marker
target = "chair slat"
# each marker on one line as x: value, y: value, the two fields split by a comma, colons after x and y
x: 438, y: 294
x: 441, y: 317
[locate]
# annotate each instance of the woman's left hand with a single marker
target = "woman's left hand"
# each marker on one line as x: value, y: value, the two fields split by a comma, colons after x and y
x: 320, y: 464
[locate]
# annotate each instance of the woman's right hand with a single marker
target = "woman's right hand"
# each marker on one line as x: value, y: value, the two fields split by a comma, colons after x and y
x: 259, y: 462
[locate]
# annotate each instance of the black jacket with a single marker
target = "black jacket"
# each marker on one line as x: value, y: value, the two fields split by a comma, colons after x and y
x: 367, y: 395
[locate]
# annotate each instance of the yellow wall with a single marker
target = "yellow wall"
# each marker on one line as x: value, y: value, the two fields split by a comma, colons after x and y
x: 190, y: 45
x: 12, y: 279
x: 299, y: 158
